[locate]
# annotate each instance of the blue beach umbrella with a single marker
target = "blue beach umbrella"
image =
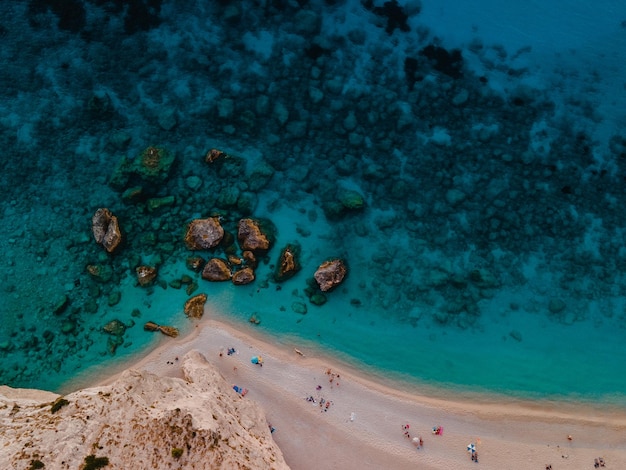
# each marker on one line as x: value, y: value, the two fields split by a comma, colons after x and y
x: 254, y: 360
x: 471, y: 448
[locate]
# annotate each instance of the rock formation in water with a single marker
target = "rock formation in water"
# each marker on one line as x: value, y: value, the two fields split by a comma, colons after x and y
x: 139, y: 421
x: 194, y: 307
x: 252, y: 236
x: 106, y: 229
x: 204, y: 234
x: 330, y: 274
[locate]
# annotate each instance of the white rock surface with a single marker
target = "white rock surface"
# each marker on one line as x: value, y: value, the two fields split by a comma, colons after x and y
x: 136, y: 422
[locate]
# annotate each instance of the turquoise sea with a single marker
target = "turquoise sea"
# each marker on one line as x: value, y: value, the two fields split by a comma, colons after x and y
x: 467, y: 161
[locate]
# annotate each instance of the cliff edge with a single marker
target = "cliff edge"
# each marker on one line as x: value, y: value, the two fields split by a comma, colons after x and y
x: 139, y: 421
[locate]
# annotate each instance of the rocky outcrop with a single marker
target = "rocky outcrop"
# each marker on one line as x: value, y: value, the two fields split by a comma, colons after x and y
x: 288, y: 263
x: 194, y: 307
x: 106, y: 229
x: 195, y: 263
x: 330, y: 274
x: 216, y: 269
x: 251, y: 236
x: 145, y: 275
x: 204, y: 234
x: 140, y: 421
x: 166, y: 330
x: 243, y: 276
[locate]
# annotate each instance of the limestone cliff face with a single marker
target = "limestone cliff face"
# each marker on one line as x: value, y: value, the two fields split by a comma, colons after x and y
x: 141, y: 421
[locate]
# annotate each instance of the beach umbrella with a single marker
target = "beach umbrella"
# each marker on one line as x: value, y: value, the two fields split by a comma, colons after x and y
x: 254, y: 360
x: 471, y: 448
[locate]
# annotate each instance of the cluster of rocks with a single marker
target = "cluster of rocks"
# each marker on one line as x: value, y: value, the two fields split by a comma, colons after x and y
x: 255, y: 237
x: 420, y: 142
x: 242, y: 246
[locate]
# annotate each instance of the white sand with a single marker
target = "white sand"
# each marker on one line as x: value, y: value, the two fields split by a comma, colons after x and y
x: 508, y: 434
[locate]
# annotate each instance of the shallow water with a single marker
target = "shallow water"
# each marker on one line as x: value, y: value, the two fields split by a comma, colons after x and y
x: 484, y: 143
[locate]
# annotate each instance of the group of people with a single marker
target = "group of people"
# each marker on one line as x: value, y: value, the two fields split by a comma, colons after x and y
x: 418, y: 442
x: 230, y: 351
x: 332, y: 377
x: 324, y: 404
x: 599, y: 462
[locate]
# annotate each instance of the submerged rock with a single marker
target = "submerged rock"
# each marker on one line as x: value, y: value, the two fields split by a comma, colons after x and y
x: 330, y: 274
x: 194, y: 307
x: 556, y: 306
x: 151, y: 168
x: 60, y: 304
x: 351, y: 200
x: 204, y: 234
x: 299, y: 307
x: 154, y: 164
x: 260, y: 176
x: 318, y: 299
x: 157, y: 203
x: 106, y: 229
x: 115, y: 328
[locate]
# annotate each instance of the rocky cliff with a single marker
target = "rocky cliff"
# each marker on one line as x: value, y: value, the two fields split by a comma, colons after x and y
x: 140, y: 421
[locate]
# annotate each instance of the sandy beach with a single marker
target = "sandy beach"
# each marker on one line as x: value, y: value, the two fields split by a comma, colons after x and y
x: 359, y: 424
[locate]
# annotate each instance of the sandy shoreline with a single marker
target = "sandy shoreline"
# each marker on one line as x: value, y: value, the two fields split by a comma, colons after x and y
x: 507, y: 433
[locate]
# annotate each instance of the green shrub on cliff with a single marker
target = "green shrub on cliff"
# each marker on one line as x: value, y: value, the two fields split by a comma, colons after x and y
x: 58, y: 404
x: 93, y: 463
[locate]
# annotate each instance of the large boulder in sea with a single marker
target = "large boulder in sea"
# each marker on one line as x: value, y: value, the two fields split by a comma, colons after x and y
x: 288, y: 263
x: 145, y: 275
x: 204, y: 234
x: 194, y: 307
x: 254, y: 235
x: 106, y: 229
x: 243, y: 276
x: 216, y: 269
x: 139, y: 421
x: 330, y: 274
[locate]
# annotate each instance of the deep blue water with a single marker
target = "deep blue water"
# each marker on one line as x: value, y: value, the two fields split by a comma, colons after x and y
x: 486, y: 144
